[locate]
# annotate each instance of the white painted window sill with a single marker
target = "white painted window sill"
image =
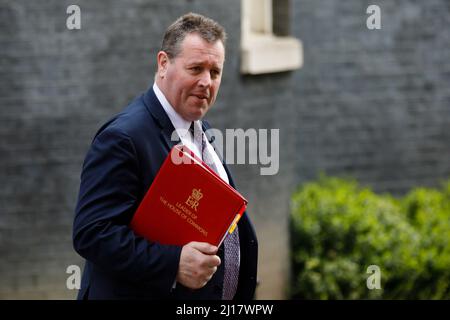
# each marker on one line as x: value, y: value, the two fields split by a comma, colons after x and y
x: 266, y: 53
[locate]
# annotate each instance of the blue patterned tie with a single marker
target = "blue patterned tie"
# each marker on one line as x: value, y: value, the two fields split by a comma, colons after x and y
x: 231, y: 242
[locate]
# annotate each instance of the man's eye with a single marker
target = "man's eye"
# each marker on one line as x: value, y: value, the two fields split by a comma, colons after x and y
x: 196, y: 69
x: 215, y: 73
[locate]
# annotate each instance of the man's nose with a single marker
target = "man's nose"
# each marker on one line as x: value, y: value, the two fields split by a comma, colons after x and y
x: 205, y: 79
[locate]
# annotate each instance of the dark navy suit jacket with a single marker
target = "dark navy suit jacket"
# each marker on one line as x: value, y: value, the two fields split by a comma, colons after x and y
x: 120, y: 166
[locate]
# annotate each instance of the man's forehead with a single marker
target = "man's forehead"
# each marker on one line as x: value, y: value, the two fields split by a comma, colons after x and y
x: 201, y: 57
x: 194, y: 45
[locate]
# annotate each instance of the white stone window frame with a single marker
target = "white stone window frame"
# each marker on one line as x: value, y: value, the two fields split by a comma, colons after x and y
x: 261, y: 50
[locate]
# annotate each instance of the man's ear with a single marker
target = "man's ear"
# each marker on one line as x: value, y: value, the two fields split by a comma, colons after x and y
x: 163, y: 62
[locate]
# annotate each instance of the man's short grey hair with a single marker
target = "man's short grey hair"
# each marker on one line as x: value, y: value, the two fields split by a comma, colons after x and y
x: 206, y: 28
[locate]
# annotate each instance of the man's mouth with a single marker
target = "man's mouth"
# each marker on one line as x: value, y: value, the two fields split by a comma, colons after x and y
x: 201, y: 96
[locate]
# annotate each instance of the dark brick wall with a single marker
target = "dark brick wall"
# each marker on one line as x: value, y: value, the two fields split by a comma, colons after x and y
x: 374, y: 104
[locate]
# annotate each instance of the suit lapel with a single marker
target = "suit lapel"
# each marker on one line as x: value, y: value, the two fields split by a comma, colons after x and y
x: 157, y: 111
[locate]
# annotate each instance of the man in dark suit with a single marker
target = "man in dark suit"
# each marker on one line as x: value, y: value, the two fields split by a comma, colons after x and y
x: 121, y: 164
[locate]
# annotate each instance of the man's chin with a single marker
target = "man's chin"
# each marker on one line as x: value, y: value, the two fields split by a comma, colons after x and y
x: 193, y: 116
x: 198, y: 112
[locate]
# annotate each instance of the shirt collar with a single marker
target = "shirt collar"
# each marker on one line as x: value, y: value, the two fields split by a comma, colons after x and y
x: 177, y: 120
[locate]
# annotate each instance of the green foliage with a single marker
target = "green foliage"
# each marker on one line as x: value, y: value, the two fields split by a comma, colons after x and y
x: 339, y: 228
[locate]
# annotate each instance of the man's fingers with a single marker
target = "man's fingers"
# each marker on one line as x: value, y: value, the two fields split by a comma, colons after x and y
x: 204, y: 247
x: 210, y: 261
x: 214, y: 261
x: 198, y: 264
x: 213, y: 271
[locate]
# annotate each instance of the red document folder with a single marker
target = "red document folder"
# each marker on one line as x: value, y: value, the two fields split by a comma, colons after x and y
x: 186, y: 202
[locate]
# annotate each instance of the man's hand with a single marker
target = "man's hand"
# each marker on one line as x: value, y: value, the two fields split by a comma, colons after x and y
x: 198, y: 263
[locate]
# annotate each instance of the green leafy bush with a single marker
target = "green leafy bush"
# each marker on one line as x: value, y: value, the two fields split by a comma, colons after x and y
x: 339, y: 229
